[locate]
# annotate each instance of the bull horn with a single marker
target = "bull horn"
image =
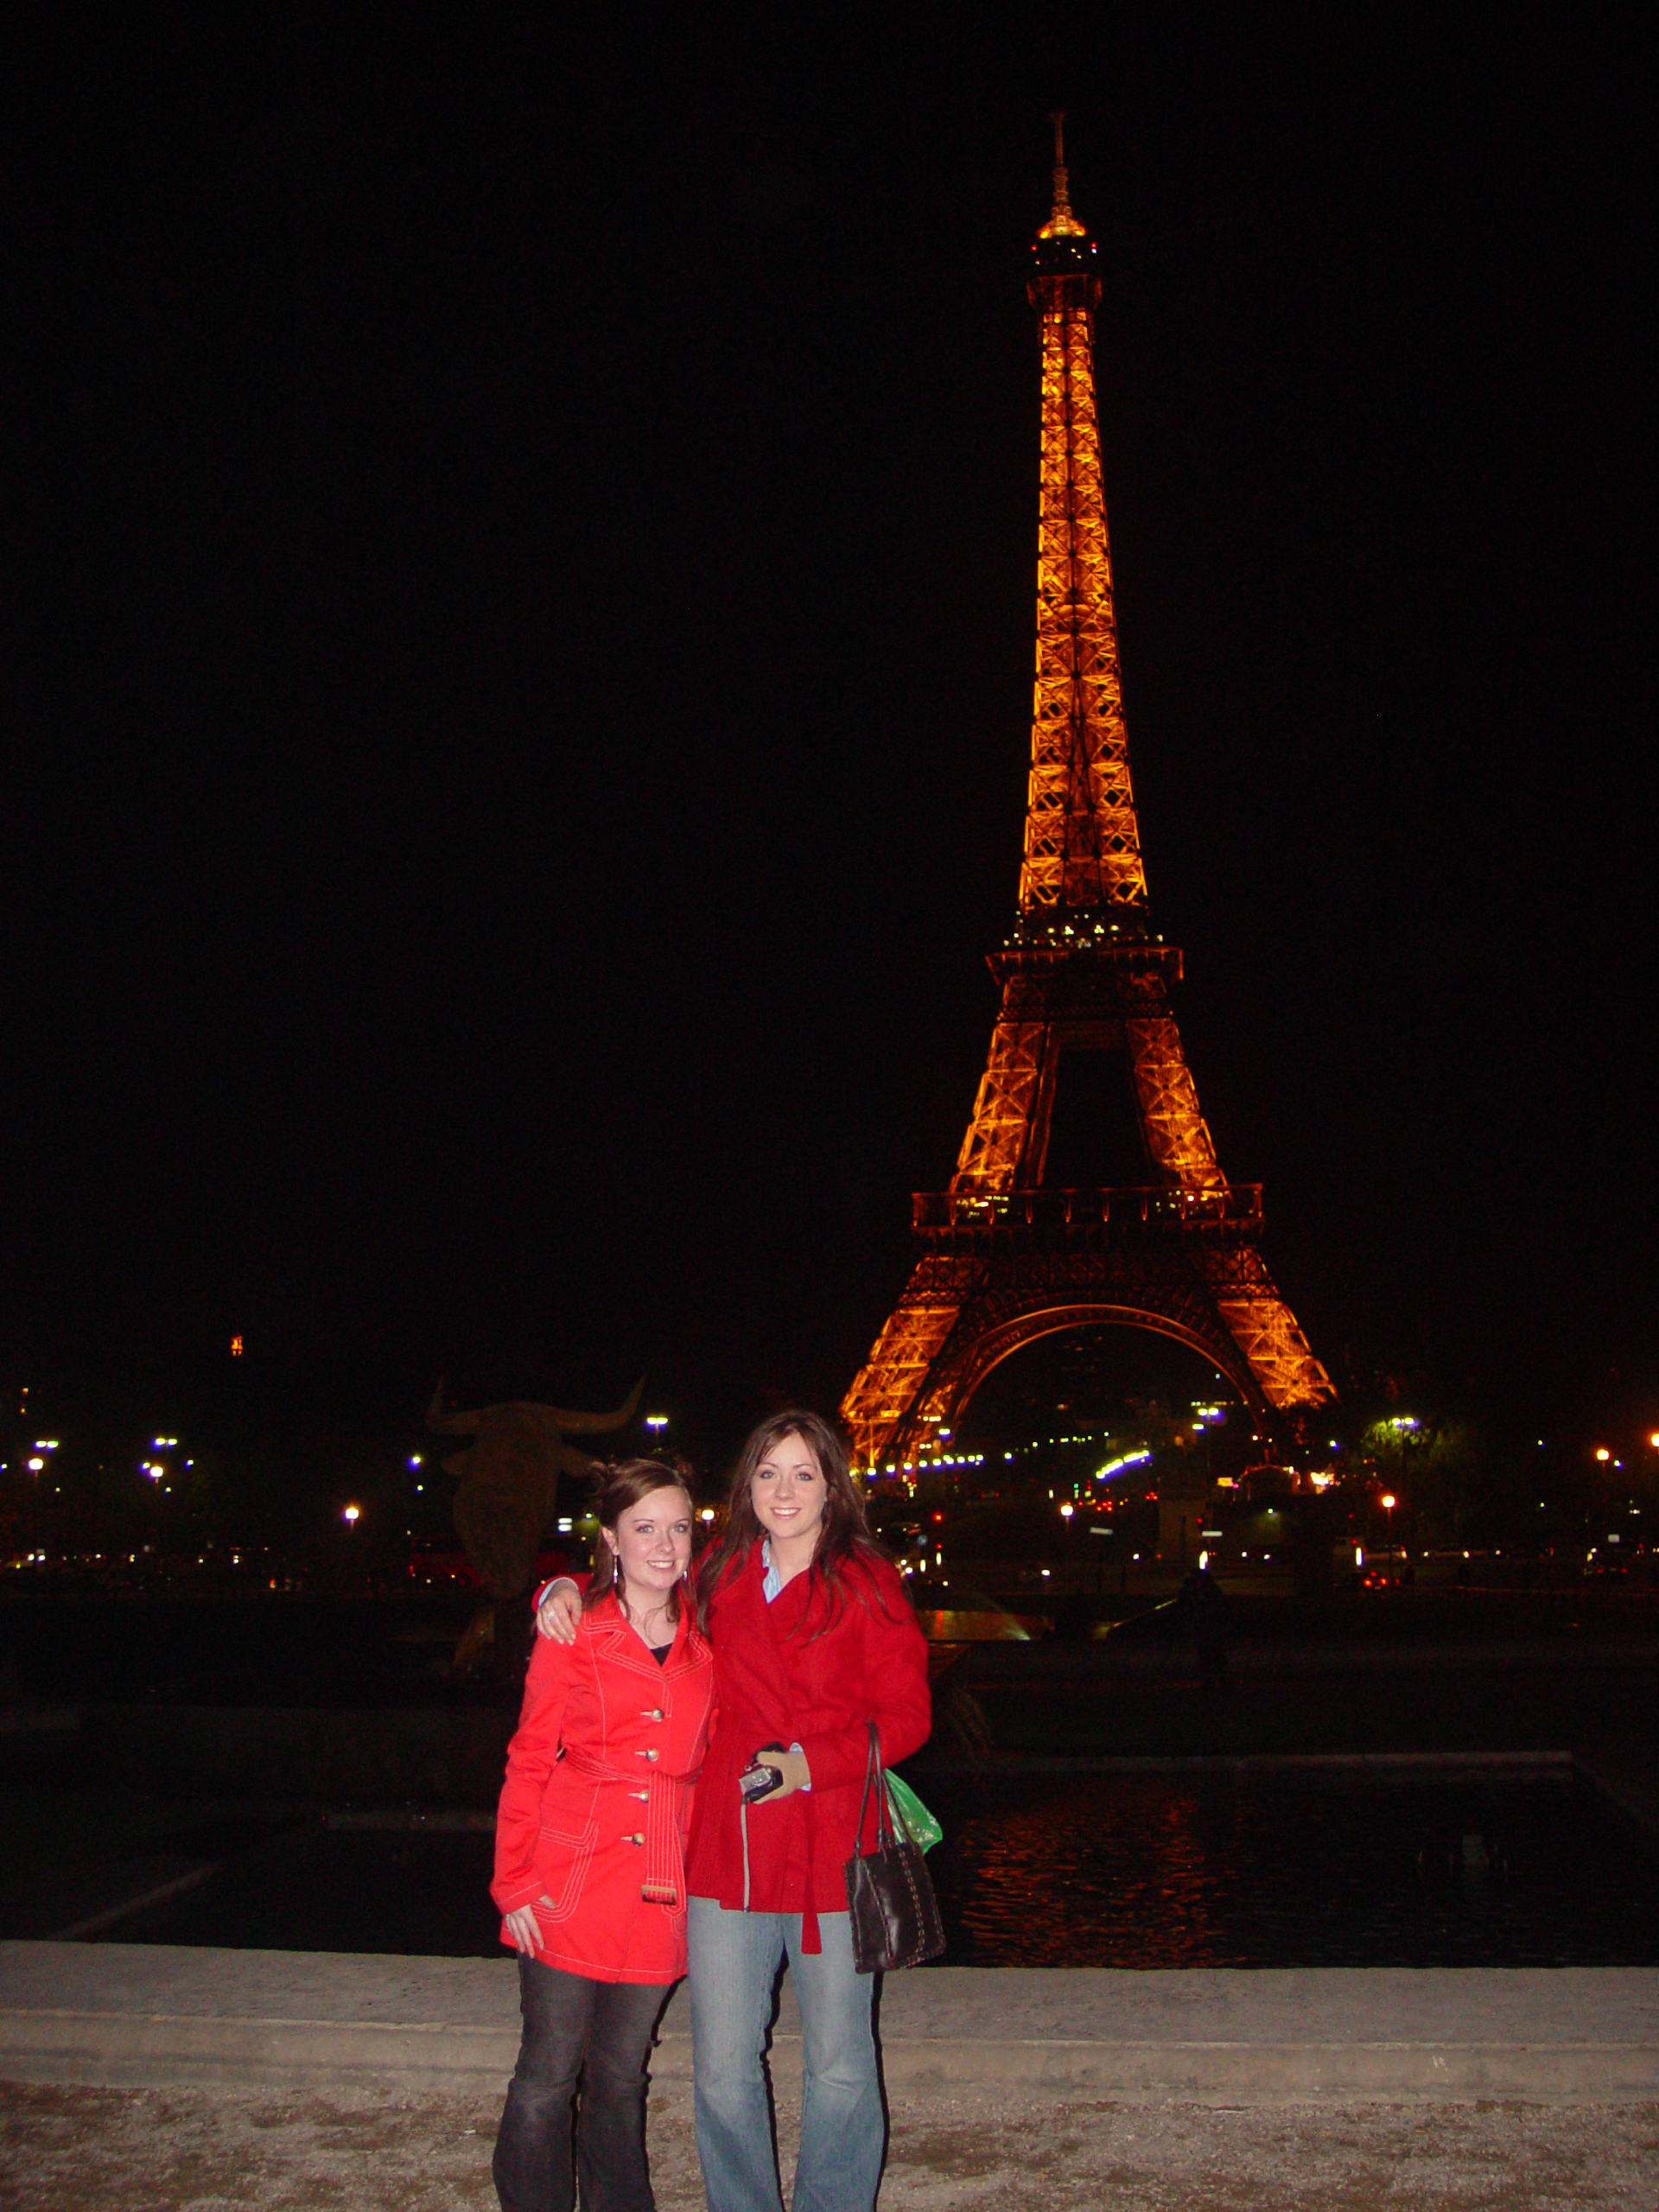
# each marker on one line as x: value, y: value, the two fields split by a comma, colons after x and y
x: 595, y: 1424
x: 443, y: 1424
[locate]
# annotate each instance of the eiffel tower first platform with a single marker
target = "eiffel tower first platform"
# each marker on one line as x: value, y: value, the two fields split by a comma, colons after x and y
x: 1003, y: 1258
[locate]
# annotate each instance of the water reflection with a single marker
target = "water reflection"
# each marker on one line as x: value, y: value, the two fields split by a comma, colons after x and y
x: 1128, y: 1870
x: 1152, y: 1871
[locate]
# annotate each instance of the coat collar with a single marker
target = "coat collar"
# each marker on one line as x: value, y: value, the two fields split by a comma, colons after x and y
x: 623, y: 1644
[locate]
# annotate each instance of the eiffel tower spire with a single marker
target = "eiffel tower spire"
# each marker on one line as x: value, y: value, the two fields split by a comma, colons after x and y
x: 1003, y: 1257
x: 1082, y: 843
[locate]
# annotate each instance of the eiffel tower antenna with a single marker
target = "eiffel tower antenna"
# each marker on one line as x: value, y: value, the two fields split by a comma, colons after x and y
x: 1062, y: 200
x: 1002, y: 1258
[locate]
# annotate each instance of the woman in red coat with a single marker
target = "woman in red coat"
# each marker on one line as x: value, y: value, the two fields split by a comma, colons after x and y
x: 814, y: 1638
x: 589, y: 1852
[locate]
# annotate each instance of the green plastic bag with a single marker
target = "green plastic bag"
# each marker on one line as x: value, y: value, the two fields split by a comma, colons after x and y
x: 909, y: 1816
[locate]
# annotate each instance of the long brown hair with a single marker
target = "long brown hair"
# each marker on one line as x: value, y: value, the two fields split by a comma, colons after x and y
x: 627, y: 1484
x: 845, y: 1532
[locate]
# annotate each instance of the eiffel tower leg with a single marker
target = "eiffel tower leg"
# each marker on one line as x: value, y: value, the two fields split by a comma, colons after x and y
x: 1009, y: 1134
x: 1264, y: 1329
x: 1177, y: 1135
x: 884, y: 1392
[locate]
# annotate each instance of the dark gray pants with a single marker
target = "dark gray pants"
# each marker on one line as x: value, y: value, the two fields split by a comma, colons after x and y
x: 600, y: 2031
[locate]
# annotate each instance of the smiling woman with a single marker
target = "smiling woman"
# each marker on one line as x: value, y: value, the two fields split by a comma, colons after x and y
x: 646, y: 1552
x: 814, y: 1641
x: 589, y: 1851
x: 789, y: 1495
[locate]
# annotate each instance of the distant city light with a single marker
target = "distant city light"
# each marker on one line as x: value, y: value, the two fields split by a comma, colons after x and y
x: 236, y: 1353
x: 1066, y: 1511
x: 1116, y: 1466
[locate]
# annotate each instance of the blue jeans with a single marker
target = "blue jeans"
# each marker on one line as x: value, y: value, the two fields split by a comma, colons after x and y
x: 600, y: 2030
x: 734, y: 1961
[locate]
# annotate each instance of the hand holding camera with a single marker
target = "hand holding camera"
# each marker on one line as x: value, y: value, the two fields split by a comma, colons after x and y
x: 758, y: 1780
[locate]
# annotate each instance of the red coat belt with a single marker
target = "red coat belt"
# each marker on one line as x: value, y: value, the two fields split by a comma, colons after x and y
x: 665, y: 1871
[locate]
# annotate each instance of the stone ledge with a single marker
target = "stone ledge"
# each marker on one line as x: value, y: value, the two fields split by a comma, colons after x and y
x: 135, y: 2015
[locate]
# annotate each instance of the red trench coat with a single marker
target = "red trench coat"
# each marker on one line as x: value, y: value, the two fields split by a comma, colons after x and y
x: 597, y: 1802
x: 781, y: 1682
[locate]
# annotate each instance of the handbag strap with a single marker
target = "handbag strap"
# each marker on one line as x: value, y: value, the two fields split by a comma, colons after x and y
x: 874, y: 1780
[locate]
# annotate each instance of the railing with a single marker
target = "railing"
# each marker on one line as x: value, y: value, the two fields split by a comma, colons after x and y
x: 1124, y: 1207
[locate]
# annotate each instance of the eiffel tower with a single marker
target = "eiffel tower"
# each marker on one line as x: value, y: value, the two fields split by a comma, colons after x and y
x: 1002, y: 1258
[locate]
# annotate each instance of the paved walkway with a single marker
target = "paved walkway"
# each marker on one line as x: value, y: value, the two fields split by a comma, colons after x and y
x: 157, y: 2078
x: 80, y: 2150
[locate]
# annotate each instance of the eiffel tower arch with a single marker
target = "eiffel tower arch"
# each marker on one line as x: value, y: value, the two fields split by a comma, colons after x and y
x: 1003, y: 1257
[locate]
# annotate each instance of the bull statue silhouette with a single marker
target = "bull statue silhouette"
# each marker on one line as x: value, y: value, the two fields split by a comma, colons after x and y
x: 507, y: 1488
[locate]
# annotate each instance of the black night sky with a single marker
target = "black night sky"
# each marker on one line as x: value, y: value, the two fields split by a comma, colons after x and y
x: 520, y: 561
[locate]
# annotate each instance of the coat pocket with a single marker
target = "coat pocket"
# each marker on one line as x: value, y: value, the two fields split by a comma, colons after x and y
x: 563, y: 1860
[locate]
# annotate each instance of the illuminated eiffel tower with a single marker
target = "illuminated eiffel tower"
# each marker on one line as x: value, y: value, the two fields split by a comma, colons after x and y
x: 1002, y: 1258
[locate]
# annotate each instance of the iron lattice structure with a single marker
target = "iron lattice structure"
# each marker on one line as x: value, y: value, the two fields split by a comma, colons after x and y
x: 1002, y: 1259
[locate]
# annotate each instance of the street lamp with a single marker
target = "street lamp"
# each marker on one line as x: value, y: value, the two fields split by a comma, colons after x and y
x: 350, y: 1517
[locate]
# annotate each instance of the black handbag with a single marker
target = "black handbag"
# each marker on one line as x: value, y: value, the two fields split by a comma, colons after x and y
x: 893, y: 1913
